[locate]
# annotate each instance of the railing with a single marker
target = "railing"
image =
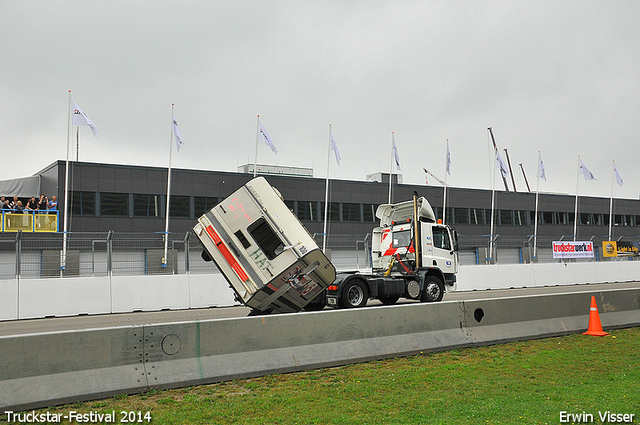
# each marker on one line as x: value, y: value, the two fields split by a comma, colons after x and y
x: 30, y: 221
x: 34, y: 255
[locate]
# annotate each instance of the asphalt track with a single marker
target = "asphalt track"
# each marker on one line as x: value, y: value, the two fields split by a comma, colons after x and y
x: 53, y: 324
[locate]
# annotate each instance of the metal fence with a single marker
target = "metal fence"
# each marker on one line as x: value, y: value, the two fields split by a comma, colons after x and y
x: 44, y: 255
x: 28, y: 255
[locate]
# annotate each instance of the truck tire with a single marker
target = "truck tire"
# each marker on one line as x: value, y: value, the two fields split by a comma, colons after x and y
x: 354, y: 294
x: 433, y: 290
x: 389, y: 300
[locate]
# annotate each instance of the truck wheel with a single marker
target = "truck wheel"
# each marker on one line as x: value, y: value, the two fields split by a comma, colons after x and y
x: 389, y: 300
x: 433, y: 290
x: 354, y: 295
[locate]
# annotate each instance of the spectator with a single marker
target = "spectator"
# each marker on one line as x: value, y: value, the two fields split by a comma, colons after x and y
x: 32, y: 205
x: 14, y: 203
x: 5, y: 204
x: 53, y: 204
x: 42, y: 203
x: 18, y: 207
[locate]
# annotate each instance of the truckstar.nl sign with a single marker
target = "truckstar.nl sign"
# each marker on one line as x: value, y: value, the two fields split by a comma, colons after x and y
x: 573, y: 249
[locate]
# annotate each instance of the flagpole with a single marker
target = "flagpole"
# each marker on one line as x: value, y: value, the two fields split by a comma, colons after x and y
x: 63, y: 262
x: 446, y: 168
x: 255, y: 158
x: 493, y: 199
x: 326, y: 196
x: 391, y: 164
x: 535, y: 226
x: 575, y: 214
x: 166, y: 226
x: 611, y: 201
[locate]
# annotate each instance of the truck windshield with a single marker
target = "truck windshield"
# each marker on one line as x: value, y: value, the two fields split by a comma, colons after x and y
x: 441, y: 238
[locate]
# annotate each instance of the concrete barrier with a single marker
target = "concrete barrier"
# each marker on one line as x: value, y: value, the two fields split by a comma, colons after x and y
x: 38, y: 298
x: 9, y: 299
x: 509, y: 319
x: 63, y: 297
x: 44, y: 369
x: 209, y: 290
x: 55, y: 368
x: 149, y: 293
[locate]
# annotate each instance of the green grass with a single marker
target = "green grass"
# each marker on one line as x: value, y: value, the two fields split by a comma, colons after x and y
x: 528, y: 382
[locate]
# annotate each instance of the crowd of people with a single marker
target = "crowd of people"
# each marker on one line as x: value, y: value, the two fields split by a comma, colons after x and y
x: 30, y: 206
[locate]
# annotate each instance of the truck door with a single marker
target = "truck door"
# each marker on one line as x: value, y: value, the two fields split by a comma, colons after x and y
x: 444, y: 253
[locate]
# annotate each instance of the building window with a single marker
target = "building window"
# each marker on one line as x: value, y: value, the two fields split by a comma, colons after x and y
x: 146, y: 205
x: 368, y: 213
x: 585, y: 219
x: 290, y: 205
x: 597, y: 220
x: 334, y: 211
x: 115, y: 204
x: 520, y: 218
x: 547, y: 217
x: 488, y: 214
x: 461, y: 216
x: 204, y: 204
x: 561, y: 218
x: 477, y: 215
x: 506, y: 217
x: 83, y: 203
x: 307, y: 210
x: 179, y: 206
x: 351, y: 212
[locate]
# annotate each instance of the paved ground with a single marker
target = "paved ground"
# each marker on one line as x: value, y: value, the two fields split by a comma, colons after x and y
x: 18, y: 327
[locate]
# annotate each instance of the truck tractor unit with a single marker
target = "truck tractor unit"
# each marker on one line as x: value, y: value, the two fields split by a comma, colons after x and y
x: 274, y: 265
x: 402, y: 267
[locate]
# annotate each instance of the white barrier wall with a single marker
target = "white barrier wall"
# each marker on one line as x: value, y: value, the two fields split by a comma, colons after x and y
x: 9, y: 299
x: 145, y: 293
x: 37, y: 298
x: 506, y: 276
x: 63, y: 297
x: 210, y: 290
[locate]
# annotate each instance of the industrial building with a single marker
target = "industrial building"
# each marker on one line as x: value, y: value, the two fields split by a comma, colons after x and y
x: 132, y: 199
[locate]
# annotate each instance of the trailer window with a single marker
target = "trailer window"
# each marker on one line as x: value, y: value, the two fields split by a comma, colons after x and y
x: 402, y: 239
x: 266, y: 238
x: 441, y: 238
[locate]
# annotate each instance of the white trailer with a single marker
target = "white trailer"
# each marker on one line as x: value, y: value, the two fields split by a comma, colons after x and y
x: 268, y: 257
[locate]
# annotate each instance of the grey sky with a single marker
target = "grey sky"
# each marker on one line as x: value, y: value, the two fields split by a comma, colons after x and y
x: 559, y: 77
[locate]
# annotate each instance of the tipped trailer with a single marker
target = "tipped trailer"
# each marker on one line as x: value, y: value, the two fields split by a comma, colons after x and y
x: 274, y: 265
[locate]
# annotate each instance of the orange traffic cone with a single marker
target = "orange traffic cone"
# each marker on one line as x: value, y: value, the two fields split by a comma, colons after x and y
x: 595, y: 327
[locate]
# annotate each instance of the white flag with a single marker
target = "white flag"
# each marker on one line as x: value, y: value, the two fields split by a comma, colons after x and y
x: 618, y: 178
x: 588, y: 175
x: 395, y: 155
x: 266, y: 138
x: 541, y: 173
x: 176, y: 132
x: 448, y: 169
x: 334, y: 148
x: 500, y: 164
x: 80, y: 118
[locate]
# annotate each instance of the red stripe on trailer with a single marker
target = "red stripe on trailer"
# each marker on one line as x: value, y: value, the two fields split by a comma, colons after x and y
x: 227, y: 254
